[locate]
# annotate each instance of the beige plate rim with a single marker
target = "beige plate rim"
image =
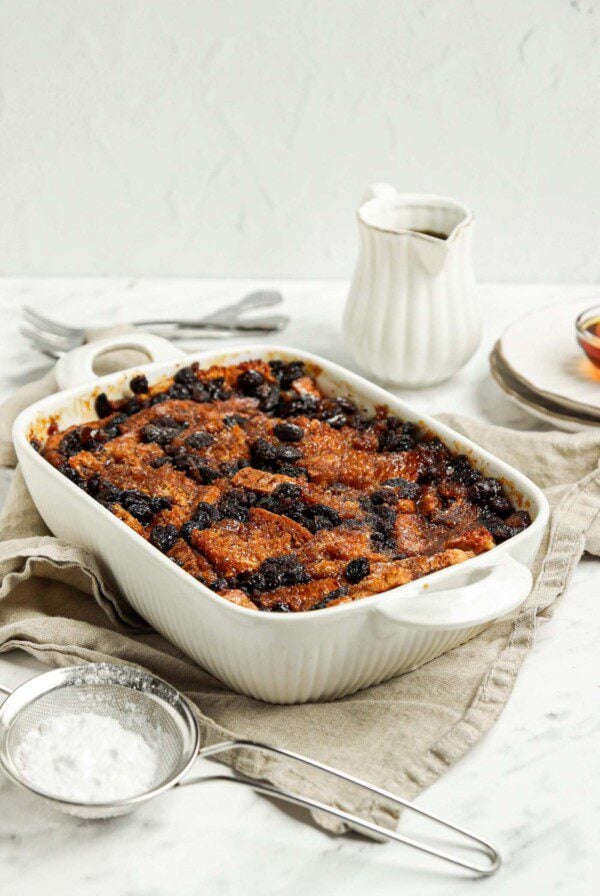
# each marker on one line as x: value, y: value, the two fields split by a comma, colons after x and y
x: 562, y: 421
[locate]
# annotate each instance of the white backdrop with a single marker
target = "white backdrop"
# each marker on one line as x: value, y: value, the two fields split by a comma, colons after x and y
x: 199, y: 137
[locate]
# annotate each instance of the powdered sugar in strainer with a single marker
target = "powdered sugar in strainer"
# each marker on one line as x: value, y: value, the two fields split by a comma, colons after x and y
x: 146, y: 706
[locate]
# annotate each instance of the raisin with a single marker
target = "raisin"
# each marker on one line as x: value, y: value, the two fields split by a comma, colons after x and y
x: 384, y: 496
x: 275, y: 572
x: 488, y: 493
x: 289, y: 470
x: 205, y: 514
x: 497, y: 527
x: 403, y: 487
x: 143, y: 507
x: 385, y: 514
x: 72, y: 475
x: 186, y: 376
x: 70, y: 444
x: 249, y: 380
x: 320, y: 516
x: 219, y: 585
x: 199, y: 392
x: 288, y: 432
x: 263, y: 455
x: 199, y: 440
x: 111, y: 430
x: 382, y: 520
x: 269, y: 396
x: 432, y: 467
x: 164, y: 537
x: 141, y: 511
x: 357, y: 570
x: 397, y: 435
x: 333, y: 595
x: 286, y: 373
x: 103, y: 492
x: 132, y: 406
x: 188, y: 527
x: 287, y: 491
x: 159, y: 435
x: 179, y: 391
x: 461, y: 470
x: 230, y: 468
x: 139, y: 384
x: 176, y: 451
x: 305, y: 406
x: 289, y: 454
x: 234, y: 505
x: 234, y: 420
x: 102, y: 405
x: 195, y: 468
x: 216, y: 389
x: 250, y: 582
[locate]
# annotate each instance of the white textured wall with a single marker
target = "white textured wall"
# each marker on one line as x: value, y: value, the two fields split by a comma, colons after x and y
x: 235, y: 138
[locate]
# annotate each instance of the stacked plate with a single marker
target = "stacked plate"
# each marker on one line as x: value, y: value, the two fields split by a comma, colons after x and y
x: 540, y: 367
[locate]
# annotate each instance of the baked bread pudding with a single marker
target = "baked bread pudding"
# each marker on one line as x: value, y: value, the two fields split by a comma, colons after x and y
x: 275, y: 496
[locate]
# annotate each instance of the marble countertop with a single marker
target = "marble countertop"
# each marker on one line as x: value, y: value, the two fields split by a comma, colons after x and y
x: 530, y: 786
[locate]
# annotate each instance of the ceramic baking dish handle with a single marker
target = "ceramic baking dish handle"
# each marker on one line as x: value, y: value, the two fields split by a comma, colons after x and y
x: 492, y: 590
x: 76, y: 368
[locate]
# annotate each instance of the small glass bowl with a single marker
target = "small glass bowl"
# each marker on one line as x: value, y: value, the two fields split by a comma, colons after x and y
x: 587, y: 327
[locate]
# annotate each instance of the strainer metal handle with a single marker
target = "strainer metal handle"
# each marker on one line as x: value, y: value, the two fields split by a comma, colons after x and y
x: 353, y: 820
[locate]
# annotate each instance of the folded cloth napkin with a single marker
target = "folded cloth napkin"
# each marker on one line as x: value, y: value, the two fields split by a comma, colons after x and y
x: 401, y: 735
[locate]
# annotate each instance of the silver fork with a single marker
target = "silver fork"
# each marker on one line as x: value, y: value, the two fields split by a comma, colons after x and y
x: 54, y: 338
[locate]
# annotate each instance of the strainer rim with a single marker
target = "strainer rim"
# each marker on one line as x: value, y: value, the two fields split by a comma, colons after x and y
x: 57, y: 675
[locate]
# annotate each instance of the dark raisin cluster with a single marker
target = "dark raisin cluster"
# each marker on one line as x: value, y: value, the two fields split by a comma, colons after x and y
x: 203, y: 516
x: 276, y: 572
x: 187, y: 386
x: 141, y: 506
x: 274, y: 458
x: 199, y: 440
x: 162, y: 430
x: 90, y: 437
x: 194, y: 467
x: 286, y: 500
x: 396, y: 435
x: 164, y: 537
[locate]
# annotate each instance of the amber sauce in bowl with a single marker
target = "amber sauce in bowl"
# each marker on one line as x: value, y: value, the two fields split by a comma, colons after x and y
x: 588, y: 333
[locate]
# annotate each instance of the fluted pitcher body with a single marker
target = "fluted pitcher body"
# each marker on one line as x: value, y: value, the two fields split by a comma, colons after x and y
x: 412, y: 318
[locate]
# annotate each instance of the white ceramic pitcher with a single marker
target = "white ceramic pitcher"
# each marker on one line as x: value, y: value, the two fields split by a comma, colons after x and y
x: 412, y: 318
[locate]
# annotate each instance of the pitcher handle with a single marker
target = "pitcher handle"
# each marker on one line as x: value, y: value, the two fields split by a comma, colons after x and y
x: 380, y: 191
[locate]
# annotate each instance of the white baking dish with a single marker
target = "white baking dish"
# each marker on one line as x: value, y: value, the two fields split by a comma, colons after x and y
x: 280, y: 658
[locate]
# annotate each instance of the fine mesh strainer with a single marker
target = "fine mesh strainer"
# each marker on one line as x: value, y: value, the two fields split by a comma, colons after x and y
x: 148, y: 706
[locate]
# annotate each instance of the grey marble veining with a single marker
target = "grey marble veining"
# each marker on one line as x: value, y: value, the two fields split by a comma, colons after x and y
x: 530, y: 785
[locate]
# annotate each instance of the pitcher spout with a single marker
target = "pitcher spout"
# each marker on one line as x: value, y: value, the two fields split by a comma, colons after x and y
x: 431, y: 251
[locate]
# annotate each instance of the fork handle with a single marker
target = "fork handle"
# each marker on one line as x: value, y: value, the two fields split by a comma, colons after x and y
x: 268, y: 324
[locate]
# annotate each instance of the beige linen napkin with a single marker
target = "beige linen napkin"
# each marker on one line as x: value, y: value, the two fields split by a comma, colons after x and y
x: 402, y: 734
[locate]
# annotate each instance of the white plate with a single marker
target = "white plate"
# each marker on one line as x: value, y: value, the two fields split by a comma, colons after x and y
x: 544, y: 416
x: 510, y: 387
x: 542, y: 350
